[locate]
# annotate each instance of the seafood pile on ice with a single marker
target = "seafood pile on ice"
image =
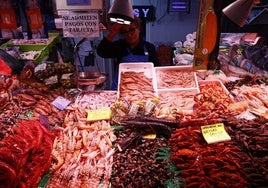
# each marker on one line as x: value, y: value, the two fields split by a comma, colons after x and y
x: 245, y: 56
x: 184, y: 50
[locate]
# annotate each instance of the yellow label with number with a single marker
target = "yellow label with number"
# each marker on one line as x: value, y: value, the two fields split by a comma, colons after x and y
x: 215, y: 133
x: 150, y: 136
x: 99, y: 114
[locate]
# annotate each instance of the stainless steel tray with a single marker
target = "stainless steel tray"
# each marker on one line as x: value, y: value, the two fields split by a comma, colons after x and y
x: 91, y: 78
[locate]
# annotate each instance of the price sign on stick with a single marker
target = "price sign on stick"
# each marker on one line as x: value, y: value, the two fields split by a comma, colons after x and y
x: 215, y: 133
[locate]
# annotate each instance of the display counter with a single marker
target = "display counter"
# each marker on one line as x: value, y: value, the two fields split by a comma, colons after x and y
x: 166, y: 126
x: 99, y: 138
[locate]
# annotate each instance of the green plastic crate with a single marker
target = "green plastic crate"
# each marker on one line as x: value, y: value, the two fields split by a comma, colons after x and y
x: 54, y: 39
x: 44, y: 50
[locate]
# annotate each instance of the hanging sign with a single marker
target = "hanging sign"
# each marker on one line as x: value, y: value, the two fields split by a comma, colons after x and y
x: 78, y: 2
x: 8, y: 19
x: 35, y: 18
x: 77, y: 24
x: 146, y: 13
x: 215, y: 133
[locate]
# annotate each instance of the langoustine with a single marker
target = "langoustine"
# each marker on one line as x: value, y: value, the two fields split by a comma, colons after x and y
x: 83, y: 155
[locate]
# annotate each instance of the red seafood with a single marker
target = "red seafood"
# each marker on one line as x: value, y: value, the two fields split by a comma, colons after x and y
x: 205, y: 165
x: 26, y: 155
x: 7, y: 175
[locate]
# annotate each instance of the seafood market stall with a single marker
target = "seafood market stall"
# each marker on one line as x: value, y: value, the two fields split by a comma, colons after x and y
x: 166, y: 126
x: 149, y: 133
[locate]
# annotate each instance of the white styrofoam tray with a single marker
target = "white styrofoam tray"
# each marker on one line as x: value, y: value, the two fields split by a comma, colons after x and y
x: 175, y: 77
x: 137, y: 67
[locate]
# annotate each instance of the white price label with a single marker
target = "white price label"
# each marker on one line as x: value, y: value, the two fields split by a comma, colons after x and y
x: 61, y: 102
x: 40, y: 67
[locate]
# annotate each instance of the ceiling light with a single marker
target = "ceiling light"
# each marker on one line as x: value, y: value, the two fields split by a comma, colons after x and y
x: 239, y: 11
x: 121, y: 12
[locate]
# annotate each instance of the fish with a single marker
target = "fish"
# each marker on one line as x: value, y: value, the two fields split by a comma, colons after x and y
x: 231, y: 70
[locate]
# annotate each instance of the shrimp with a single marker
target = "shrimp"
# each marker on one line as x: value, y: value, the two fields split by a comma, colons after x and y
x: 75, y: 180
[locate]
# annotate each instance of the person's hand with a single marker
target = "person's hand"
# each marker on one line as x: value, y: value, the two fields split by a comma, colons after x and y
x: 113, y: 31
x: 115, y: 28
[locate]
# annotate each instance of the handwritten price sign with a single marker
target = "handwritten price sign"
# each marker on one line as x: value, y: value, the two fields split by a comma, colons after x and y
x: 215, y: 133
x: 99, y: 114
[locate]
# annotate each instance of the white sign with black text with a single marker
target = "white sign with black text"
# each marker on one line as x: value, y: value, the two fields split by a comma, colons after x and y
x: 77, y: 24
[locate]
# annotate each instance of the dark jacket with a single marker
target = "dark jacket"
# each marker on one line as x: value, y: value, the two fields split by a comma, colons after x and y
x: 118, y: 49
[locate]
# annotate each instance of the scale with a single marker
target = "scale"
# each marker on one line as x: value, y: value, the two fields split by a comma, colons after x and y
x: 88, y: 81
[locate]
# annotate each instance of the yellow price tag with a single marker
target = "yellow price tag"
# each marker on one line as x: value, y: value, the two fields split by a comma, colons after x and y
x: 215, y: 133
x: 149, y: 136
x: 99, y: 114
